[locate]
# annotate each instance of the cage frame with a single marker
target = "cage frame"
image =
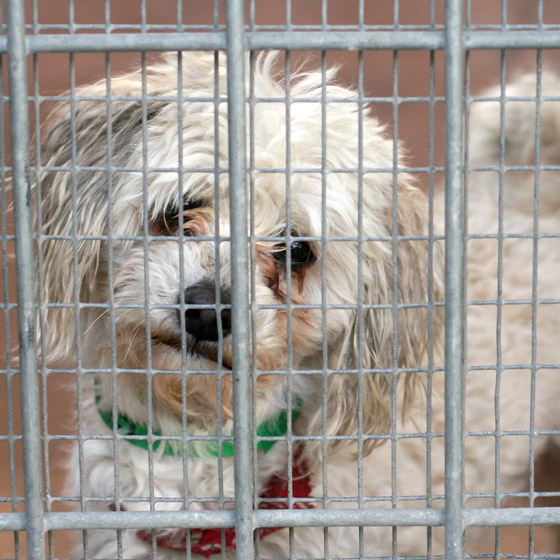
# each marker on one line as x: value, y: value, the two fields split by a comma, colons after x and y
x: 455, y: 40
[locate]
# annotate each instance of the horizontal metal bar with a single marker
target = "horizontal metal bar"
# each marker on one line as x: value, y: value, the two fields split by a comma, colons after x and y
x: 144, y: 42
x: 265, y: 28
x: 512, y: 516
x: 139, y: 519
x: 97, y: 42
x: 220, y: 519
x: 12, y: 522
x: 487, y: 517
x: 312, y: 40
x: 350, y: 40
x: 349, y: 517
x: 512, y: 40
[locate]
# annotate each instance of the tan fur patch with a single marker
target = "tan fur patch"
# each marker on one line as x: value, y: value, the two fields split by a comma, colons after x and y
x: 201, y: 392
x: 196, y: 223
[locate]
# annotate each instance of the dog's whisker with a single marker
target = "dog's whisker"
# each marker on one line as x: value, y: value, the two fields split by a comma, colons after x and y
x: 93, y: 323
x: 133, y: 336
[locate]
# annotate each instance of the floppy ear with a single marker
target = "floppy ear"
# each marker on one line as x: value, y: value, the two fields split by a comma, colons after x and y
x: 373, y: 340
x: 71, y: 204
x: 71, y: 207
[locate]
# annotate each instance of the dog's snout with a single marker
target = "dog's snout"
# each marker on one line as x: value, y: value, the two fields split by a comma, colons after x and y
x: 202, y: 322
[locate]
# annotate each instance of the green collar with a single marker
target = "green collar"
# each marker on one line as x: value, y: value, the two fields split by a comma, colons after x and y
x: 275, y: 427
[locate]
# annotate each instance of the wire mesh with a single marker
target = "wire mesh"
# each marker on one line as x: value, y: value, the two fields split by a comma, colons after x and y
x: 454, y: 36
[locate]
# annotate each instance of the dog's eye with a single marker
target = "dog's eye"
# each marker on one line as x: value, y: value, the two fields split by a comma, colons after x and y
x: 168, y: 223
x: 301, y: 254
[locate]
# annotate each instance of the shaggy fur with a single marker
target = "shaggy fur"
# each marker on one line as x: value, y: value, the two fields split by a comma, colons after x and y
x: 109, y: 234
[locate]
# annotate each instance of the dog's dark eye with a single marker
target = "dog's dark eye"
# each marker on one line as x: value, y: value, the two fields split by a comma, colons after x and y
x: 301, y: 254
x: 168, y: 223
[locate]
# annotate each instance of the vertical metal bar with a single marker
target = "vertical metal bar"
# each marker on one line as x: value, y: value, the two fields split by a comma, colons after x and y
x: 361, y: 289
x: 324, y: 301
x: 252, y: 175
x: 430, y: 302
x: 289, y: 310
x: 217, y: 244
x: 240, y: 280
x: 75, y: 233
x: 454, y: 283
x: 146, y: 251
x: 5, y: 252
x: 71, y: 17
x: 30, y: 404
x: 499, y: 295
x: 535, y: 294
x: 540, y: 16
x: 395, y: 289
x: 43, y: 371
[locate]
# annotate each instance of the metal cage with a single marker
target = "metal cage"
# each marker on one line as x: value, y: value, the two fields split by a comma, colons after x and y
x: 236, y: 32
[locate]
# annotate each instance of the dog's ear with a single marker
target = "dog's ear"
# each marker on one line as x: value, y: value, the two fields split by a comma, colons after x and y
x: 70, y: 216
x: 86, y: 140
x: 391, y: 333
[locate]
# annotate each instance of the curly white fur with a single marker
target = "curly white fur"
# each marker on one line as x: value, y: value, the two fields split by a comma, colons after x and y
x: 106, y: 205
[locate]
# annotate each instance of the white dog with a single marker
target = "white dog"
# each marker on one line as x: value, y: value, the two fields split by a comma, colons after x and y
x: 130, y: 291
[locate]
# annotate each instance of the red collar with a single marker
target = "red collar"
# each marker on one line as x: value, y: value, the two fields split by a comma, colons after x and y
x: 209, y: 541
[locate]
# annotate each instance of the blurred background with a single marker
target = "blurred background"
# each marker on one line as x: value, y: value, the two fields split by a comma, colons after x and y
x: 387, y: 74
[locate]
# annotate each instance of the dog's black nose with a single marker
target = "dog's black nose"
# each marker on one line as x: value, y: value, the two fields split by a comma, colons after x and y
x: 202, y: 323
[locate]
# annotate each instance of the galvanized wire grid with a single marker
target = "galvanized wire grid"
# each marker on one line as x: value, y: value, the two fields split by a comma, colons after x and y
x: 229, y: 31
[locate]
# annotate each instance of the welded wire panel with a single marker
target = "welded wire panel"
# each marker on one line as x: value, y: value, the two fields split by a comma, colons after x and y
x: 518, y: 298
x: 24, y: 266
x: 239, y: 280
x: 10, y: 436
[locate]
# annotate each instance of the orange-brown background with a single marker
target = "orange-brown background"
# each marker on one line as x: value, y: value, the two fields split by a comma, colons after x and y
x: 413, y: 130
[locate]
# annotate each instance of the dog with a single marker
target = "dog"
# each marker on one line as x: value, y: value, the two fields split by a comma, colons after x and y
x: 347, y: 299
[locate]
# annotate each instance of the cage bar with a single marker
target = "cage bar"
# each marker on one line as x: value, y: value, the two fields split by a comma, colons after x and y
x: 300, y: 40
x: 236, y: 40
x: 241, y: 369
x: 30, y: 400
x: 454, y: 284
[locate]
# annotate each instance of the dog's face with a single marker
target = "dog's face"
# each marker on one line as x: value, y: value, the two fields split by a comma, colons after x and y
x: 156, y: 252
